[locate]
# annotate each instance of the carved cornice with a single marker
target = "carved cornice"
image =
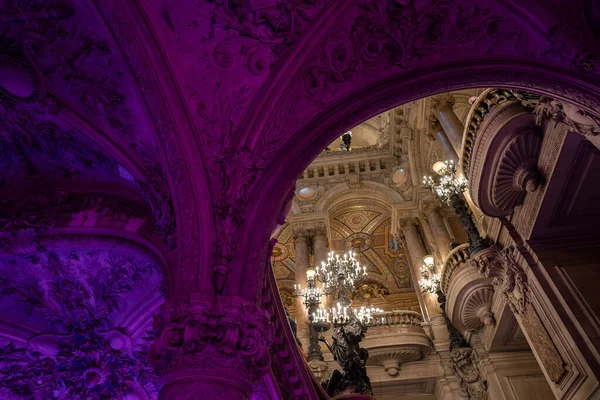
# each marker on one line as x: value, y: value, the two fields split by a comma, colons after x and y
x: 485, y: 103
x: 456, y: 257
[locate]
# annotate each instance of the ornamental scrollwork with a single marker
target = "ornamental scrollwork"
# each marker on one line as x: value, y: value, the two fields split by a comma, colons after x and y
x: 463, y: 365
x: 226, y: 334
x: 258, y: 35
x: 577, y: 120
x: 85, y: 356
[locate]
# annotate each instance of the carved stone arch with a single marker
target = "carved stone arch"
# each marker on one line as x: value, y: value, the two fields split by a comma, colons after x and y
x: 369, y: 190
x: 353, y: 108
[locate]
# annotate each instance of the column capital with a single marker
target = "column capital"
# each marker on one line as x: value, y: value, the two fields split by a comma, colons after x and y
x: 300, y: 233
x: 407, y: 222
x: 226, y: 337
x: 444, y: 101
x: 319, y: 230
x: 430, y: 206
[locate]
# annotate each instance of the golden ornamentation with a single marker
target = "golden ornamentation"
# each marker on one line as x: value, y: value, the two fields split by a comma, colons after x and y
x: 358, y: 242
x: 280, y: 252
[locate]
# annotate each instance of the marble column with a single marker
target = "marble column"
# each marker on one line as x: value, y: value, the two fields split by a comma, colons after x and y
x: 452, y: 126
x: 437, y: 133
x: 320, y: 245
x: 438, y: 229
x: 416, y: 251
x: 302, y: 264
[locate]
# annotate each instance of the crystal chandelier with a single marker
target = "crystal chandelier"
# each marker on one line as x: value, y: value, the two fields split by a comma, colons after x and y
x: 312, y: 299
x: 431, y: 281
x: 448, y: 184
x: 341, y: 272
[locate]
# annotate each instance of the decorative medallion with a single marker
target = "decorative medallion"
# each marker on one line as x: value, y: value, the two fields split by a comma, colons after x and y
x: 358, y: 242
x: 280, y: 252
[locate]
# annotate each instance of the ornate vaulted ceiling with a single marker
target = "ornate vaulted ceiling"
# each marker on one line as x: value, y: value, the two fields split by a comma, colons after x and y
x: 177, y: 129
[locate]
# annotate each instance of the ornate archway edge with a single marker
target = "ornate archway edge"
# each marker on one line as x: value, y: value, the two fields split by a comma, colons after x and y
x: 369, y: 101
x: 191, y: 196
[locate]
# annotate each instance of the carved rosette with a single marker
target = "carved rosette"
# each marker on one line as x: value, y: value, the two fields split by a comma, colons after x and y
x: 226, y: 337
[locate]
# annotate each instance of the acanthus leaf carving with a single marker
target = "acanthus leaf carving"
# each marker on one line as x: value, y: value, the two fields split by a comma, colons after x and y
x: 226, y: 334
x: 577, y: 120
x: 258, y: 36
x: 463, y: 365
x: 84, y: 356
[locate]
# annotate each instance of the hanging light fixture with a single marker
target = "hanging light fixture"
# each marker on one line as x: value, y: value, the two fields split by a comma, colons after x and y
x: 342, y: 314
x: 341, y: 272
x: 431, y: 281
x: 311, y: 293
x: 449, y: 186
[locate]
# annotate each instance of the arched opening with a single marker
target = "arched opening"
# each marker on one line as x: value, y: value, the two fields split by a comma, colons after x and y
x: 330, y: 183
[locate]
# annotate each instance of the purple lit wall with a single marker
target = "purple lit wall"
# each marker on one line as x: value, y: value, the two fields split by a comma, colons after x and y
x: 148, y: 150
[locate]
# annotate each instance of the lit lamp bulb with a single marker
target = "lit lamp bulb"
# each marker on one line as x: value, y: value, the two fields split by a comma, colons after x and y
x: 310, y: 274
x: 428, y: 260
x: 439, y: 167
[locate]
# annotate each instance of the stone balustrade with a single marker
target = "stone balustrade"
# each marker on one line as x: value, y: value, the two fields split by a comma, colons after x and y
x: 396, y: 338
x: 456, y: 257
x: 397, y: 318
x: 341, y: 163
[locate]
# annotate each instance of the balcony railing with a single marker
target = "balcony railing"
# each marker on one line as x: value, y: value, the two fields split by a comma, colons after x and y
x: 457, y: 256
x: 398, y: 318
x: 486, y: 101
x: 340, y: 163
